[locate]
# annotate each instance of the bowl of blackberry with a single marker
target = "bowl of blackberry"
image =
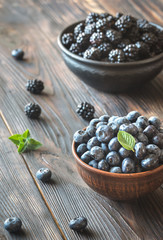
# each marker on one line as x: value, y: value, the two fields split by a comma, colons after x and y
x: 120, y: 157
x: 113, y: 53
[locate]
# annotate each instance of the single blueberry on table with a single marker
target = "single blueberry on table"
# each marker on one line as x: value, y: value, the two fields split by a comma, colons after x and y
x: 150, y: 131
x: 140, y: 150
x: 151, y: 161
x: 155, y: 121
x: 128, y: 165
x: 103, y: 165
x: 44, y: 174
x: 113, y: 158
x: 81, y: 136
x: 18, y: 54
x: 93, y: 142
x: 93, y: 163
x: 86, y: 157
x: 104, y: 133
x: 153, y: 149
x: 97, y: 153
x: 115, y: 169
x: 13, y: 224
x: 114, y: 144
x: 133, y: 115
x: 82, y: 148
x: 78, y: 224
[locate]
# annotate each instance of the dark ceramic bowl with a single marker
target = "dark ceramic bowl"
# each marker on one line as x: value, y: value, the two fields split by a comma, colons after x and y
x: 119, y: 186
x: 111, y: 77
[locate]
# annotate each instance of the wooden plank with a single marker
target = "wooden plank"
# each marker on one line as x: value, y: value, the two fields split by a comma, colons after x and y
x: 20, y: 197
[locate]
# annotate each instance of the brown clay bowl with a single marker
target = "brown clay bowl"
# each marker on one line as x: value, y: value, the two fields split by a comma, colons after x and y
x: 119, y: 186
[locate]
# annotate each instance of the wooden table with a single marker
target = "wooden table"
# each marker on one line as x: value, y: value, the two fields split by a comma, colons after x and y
x: 46, y: 208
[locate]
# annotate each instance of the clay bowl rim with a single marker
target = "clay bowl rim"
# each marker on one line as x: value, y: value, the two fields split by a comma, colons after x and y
x: 114, y: 175
x: 101, y: 63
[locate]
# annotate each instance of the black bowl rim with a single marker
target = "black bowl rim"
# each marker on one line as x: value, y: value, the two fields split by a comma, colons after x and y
x: 100, y: 63
x: 114, y: 175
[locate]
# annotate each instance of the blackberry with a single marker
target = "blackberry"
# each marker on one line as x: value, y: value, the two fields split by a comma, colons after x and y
x: 113, y: 36
x: 160, y: 39
x: 144, y: 49
x: 105, y: 48
x: 118, y: 15
x: 91, y: 18
x: 32, y: 110
x: 18, y: 54
x: 124, y: 43
x: 133, y: 34
x: 67, y: 39
x: 83, y: 40
x: 148, y: 28
x: 79, y: 29
x: 96, y: 39
x: 111, y: 22
x: 140, y: 23
x: 116, y: 56
x: 35, y: 86
x: 101, y: 25
x: 92, y: 53
x: 74, y: 48
x: 125, y: 22
x: 90, y: 29
x: 131, y: 51
x: 86, y: 111
x: 104, y: 15
x: 149, y: 38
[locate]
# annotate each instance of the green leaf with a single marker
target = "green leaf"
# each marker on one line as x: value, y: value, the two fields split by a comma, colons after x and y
x: 26, y: 134
x: 126, y: 140
x: 22, y: 147
x: 33, y: 144
x: 15, y: 138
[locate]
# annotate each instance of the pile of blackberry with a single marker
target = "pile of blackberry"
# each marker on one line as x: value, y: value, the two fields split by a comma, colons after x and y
x: 122, y: 38
x: 98, y: 145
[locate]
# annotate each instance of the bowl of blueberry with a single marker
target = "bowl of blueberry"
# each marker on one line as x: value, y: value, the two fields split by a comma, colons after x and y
x: 113, y: 53
x: 120, y: 157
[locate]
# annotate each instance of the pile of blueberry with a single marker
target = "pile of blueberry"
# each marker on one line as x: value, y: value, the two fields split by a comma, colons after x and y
x: 120, y: 38
x: 98, y: 145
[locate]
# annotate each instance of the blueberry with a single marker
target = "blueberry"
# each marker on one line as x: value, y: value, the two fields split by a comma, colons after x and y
x: 115, y: 169
x: 140, y: 130
x: 94, y: 121
x: 103, y: 165
x: 104, y: 133
x: 130, y: 128
x: 155, y: 121
x: 132, y: 116
x: 92, y: 142
x: 93, y: 163
x: 82, y: 148
x: 91, y: 130
x: 121, y: 120
x: 128, y: 165
x: 114, y: 127
x: 142, y: 122
x: 124, y: 153
x: 81, y: 136
x: 104, y: 118
x: 150, y: 162
x: 158, y: 140
x: 100, y: 124
x: 18, y: 54
x: 97, y: 153
x: 13, y: 224
x: 150, y: 131
x: 142, y: 138
x: 86, y: 157
x: 161, y: 156
x: 153, y: 149
x: 114, y: 145
x: 113, y: 158
x: 140, y: 150
x: 78, y: 224
x: 112, y: 119
x: 43, y: 174
x: 104, y: 146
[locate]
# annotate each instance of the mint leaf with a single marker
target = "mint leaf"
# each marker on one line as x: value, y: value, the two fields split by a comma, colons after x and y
x: 33, y: 144
x: 15, y: 138
x: 22, y: 147
x: 126, y: 140
x: 26, y: 134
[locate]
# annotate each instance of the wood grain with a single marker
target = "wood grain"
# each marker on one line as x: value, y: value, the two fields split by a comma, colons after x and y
x: 35, y: 25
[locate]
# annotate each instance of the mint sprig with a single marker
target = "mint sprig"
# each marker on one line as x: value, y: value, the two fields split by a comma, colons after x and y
x: 24, y: 142
x: 126, y: 140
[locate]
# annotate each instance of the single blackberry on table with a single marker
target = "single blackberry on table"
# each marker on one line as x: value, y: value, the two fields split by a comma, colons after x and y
x: 74, y: 48
x: 90, y: 28
x: 144, y: 49
x: 124, y: 43
x: 105, y: 48
x: 67, y: 39
x: 149, y: 38
x: 131, y: 51
x: 114, y: 36
x: 32, y: 110
x: 97, y: 38
x: 35, y: 86
x: 116, y: 56
x: 18, y: 54
x: 92, y: 53
x: 79, y: 29
x: 86, y: 111
x: 83, y: 40
x: 91, y: 18
x: 125, y: 22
